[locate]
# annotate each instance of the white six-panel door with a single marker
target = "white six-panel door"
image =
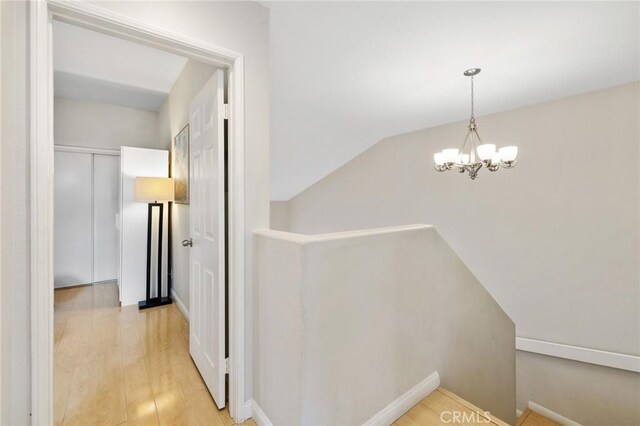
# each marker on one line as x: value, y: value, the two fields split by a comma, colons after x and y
x: 207, y: 223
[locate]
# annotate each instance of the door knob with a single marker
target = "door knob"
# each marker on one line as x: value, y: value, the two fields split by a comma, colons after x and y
x: 187, y: 243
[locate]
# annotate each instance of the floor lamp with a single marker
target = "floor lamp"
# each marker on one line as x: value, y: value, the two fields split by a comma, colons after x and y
x: 154, y: 191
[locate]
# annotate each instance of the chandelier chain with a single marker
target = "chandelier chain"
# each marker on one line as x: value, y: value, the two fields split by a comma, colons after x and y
x: 472, y: 112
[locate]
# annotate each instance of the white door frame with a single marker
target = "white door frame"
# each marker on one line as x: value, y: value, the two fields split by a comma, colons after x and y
x: 41, y: 14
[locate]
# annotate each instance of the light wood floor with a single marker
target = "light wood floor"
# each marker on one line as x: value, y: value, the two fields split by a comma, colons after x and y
x: 438, y: 409
x: 121, y: 366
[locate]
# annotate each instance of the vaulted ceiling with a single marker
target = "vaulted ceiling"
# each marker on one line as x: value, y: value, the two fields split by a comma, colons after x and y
x: 346, y: 75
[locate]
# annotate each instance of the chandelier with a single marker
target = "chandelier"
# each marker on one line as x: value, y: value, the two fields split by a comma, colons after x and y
x: 474, y: 154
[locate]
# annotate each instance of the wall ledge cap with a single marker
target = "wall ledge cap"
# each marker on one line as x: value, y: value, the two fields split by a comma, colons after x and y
x: 307, y: 239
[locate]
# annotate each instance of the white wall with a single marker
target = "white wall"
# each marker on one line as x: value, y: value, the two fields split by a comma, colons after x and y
x: 555, y: 240
x: 346, y: 323
x: 589, y: 394
x: 277, y: 329
x: 1, y: 298
x: 172, y: 117
x: 280, y: 215
x: 96, y: 125
x: 14, y: 373
x: 240, y: 26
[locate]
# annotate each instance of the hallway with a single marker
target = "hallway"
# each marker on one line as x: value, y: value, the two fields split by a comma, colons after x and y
x: 121, y: 366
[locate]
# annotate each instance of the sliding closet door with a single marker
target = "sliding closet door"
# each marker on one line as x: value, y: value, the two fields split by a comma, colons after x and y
x: 106, y: 175
x: 73, y: 218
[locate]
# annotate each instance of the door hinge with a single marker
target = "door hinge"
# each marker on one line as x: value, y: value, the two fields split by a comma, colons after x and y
x: 226, y: 111
x: 227, y: 369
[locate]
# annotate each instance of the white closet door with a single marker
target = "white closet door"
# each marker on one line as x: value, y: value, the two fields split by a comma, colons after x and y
x: 106, y: 175
x: 72, y: 221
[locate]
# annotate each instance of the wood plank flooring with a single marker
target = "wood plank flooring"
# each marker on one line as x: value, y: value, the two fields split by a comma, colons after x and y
x: 121, y: 366
x: 440, y: 408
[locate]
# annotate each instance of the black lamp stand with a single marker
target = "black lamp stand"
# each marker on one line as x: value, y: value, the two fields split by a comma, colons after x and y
x: 159, y: 300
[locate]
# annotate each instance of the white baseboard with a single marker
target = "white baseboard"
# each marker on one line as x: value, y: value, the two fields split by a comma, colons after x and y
x: 59, y: 287
x: 552, y: 415
x: 577, y: 353
x: 181, y: 306
x: 56, y: 287
x: 405, y: 402
x: 258, y: 415
x: 248, y: 410
x: 386, y: 416
x: 518, y: 413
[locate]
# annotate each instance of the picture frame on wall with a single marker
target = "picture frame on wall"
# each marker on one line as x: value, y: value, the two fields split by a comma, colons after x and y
x: 180, y: 165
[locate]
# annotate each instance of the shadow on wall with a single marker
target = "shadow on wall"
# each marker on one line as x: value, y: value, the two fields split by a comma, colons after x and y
x: 346, y: 323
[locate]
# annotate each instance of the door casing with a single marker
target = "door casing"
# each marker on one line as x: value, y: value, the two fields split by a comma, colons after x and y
x: 41, y: 14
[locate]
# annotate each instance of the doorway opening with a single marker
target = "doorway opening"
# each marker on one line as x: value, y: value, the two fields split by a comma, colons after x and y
x: 149, y: 109
x: 43, y: 189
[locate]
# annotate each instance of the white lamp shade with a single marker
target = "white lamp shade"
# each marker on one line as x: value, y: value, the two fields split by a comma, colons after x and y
x: 495, y: 159
x: 508, y: 153
x: 463, y: 159
x: 450, y: 155
x: 149, y: 189
x: 438, y: 157
x: 485, y: 152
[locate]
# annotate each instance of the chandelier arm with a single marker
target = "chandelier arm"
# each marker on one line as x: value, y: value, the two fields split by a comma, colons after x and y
x: 479, y: 138
x: 466, y: 139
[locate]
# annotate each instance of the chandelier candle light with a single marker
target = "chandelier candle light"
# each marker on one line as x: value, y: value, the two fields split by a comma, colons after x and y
x: 474, y: 154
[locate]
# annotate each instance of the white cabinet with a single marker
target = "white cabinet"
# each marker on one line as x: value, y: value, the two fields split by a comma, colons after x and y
x: 133, y: 223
